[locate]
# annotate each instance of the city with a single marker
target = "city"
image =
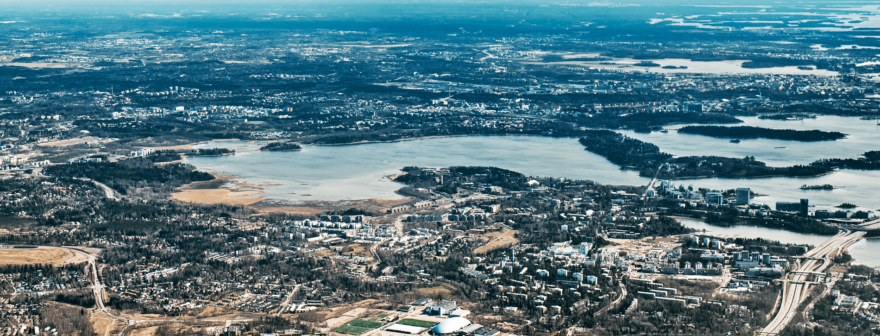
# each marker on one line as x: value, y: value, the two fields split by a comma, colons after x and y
x: 439, y: 168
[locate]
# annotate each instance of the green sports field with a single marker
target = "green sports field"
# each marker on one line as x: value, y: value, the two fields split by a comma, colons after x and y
x: 358, y: 327
x: 417, y: 323
x: 349, y: 329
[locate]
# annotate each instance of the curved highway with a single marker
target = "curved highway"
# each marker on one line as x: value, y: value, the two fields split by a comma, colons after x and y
x: 797, y: 286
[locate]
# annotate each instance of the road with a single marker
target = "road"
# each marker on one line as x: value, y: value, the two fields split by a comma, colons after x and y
x: 108, y: 192
x: 654, y: 180
x: 98, y: 291
x: 797, y: 286
x: 623, y: 294
x: 286, y: 304
x: 872, y: 225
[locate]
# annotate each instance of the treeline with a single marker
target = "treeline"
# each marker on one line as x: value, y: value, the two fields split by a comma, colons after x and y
x: 625, y: 151
x: 281, y: 146
x: 786, y: 116
x: 67, y: 320
x: 127, y: 175
x: 646, y: 121
x: 748, y: 167
x: 175, y: 155
x: 646, y: 157
x: 752, y: 132
x: 728, y: 217
x: 868, y: 161
x: 567, y: 126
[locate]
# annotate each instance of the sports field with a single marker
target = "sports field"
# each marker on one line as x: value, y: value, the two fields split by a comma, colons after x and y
x: 358, y: 327
x: 417, y: 323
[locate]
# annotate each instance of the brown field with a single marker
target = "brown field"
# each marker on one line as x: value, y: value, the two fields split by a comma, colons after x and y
x: 42, y: 255
x: 433, y: 291
x: 358, y: 250
x: 214, y: 192
x: 315, y: 208
x: 70, y: 142
x: 218, y: 196
x: 104, y: 325
x: 498, y: 240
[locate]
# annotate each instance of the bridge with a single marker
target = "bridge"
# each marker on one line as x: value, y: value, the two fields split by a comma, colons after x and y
x: 796, y: 288
x: 872, y: 225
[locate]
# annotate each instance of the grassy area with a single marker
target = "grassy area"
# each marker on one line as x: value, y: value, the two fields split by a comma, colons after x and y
x: 417, y: 323
x: 347, y: 329
x: 365, y: 324
x: 358, y: 327
x: 498, y: 240
x: 433, y: 291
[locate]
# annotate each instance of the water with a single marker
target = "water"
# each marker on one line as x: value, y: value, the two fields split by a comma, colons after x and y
x: 862, y: 136
x: 331, y: 173
x: 714, y: 67
x: 865, y: 252
x: 857, y: 187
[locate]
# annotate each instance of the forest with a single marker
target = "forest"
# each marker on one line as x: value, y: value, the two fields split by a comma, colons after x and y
x: 752, y: 132
x: 281, y: 147
x: 127, y: 175
x: 625, y: 151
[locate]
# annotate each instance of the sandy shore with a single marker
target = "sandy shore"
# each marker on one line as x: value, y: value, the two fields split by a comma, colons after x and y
x: 218, y: 192
x: 232, y: 190
x: 184, y: 146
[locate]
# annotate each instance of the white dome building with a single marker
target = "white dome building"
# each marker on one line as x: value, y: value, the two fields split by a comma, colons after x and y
x: 451, y: 325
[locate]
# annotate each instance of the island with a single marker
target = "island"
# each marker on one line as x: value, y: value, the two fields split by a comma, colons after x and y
x: 847, y: 206
x: 281, y: 147
x: 647, y: 64
x: 674, y: 67
x: 752, y: 132
x: 818, y: 187
x: 787, y: 116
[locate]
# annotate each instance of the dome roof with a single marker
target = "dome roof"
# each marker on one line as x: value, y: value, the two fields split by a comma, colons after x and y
x: 451, y: 325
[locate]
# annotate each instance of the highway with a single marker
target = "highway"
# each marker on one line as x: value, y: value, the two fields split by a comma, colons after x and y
x: 797, y: 285
x: 108, y: 192
x: 872, y: 225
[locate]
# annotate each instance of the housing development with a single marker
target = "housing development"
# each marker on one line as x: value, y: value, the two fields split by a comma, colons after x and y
x: 440, y: 168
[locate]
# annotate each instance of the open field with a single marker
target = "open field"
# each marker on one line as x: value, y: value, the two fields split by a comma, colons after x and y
x: 348, y: 329
x: 358, y: 250
x: 214, y: 192
x: 365, y: 324
x: 313, y: 208
x: 105, y: 325
x: 358, y: 327
x: 498, y: 240
x: 218, y: 196
x: 433, y: 291
x: 417, y: 323
x: 42, y: 255
x: 75, y: 141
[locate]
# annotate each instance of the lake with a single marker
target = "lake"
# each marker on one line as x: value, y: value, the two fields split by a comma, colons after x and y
x: 857, y: 187
x: 710, y: 67
x: 353, y: 172
x: 865, y: 252
x: 333, y: 173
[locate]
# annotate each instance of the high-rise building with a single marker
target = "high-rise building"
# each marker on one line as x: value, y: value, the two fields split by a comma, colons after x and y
x: 743, y: 195
x: 714, y: 198
x: 805, y: 207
